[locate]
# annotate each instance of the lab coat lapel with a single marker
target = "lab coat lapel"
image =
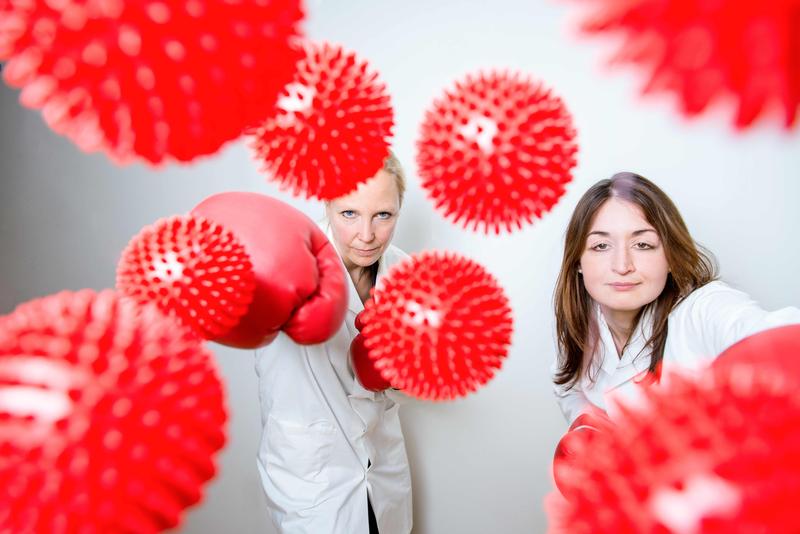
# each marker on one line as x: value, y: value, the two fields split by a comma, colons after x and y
x: 635, y: 360
x: 359, y: 391
x: 383, y: 268
x: 606, y: 350
x: 603, y: 368
x: 354, y: 303
x: 370, y: 405
x: 319, y: 361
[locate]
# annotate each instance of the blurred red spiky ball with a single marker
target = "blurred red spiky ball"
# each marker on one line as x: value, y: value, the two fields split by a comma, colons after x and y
x: 438, y: 326
x: 714, y: 453
x: 744, y: 52
x: 331, y: 126
x: 150, y: 79
x: 497, y: 151
x: 110, y: 416
x: 190, y: 267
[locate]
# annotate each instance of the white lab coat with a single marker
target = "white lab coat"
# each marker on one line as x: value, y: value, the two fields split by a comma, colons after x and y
x: 321, y: 428
x: 704, y: 324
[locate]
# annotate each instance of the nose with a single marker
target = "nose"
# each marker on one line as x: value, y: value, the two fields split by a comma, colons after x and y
x: 623, y: 261
x: 365, y: 231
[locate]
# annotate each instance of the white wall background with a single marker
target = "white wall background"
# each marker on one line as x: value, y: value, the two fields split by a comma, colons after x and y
x: 481, y: 464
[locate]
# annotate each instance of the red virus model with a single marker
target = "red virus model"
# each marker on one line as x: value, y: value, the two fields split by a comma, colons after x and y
x: 190, y: 267
x: 496, y: 151
x: 718, y: 453
x: 110, y: 416
x: 743, y: 52
x: 330, y: 128
x: 438, y: 327
x: 776, y: 348
x: 155, y: 79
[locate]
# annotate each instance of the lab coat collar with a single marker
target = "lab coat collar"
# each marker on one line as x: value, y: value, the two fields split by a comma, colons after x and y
x: 634, y: 360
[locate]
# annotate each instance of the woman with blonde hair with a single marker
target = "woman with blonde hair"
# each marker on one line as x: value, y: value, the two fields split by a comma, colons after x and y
x: 332, y: 456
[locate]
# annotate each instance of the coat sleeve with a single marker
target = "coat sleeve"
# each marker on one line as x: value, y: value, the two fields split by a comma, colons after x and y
x: 721, y: 316
x: 572, y: 401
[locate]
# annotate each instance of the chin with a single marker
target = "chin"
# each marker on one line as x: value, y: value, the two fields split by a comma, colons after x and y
x: 625, y: 303
x: 365, y: 261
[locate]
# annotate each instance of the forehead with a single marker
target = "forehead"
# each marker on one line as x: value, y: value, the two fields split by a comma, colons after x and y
x: 617, y: 215
x: 379, y: 192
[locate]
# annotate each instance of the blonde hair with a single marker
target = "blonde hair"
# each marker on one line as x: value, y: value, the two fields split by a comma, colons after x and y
x: 392, y: 165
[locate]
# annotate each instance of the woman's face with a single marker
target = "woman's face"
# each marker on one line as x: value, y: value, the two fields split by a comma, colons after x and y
x: 363, y: 222
x: 623, y: 262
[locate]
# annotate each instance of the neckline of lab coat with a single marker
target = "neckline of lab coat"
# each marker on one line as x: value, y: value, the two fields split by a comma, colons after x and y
x: 634, y: 360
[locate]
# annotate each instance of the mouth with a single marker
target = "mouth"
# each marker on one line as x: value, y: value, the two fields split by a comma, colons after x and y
x: 365, y: 252
x: 623, y: 286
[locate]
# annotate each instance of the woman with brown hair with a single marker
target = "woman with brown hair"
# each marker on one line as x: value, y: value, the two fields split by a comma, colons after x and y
x: 636, y: 293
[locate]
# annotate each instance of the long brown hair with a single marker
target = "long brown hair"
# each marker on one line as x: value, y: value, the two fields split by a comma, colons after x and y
x: 691, y: 266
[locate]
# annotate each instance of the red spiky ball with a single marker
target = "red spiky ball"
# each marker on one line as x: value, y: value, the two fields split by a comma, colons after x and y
x: 190, y: 267
x: 438, y: 326
x: 331, y: 126
x: 110, y: 416
x: 732, y: 51
x: 496, y: 151
x: 712, y: 454
x: 154, y: 79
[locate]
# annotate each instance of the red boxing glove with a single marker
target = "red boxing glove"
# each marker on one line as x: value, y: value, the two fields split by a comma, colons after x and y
x: 300, y: 281
x: 363, y: 366
x: 579, y: 436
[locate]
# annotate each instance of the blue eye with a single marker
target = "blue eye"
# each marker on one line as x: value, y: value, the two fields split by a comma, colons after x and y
x: 384, y: 215
x: 348, y: 214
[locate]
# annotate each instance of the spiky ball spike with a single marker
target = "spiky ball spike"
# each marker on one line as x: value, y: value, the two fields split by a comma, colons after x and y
x: 190, y: 267
x: 496, y: 151
x: 709, y: 52
x: 151, y: 79
x: 438, y: 326
x: 718, y: 452
x: 110, y: 416
x: 331, y: 126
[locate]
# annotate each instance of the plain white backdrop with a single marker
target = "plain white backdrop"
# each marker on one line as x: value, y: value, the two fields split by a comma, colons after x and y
x: 481, y: 464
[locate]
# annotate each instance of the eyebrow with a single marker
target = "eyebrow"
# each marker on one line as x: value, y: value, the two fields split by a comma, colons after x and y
x: 635, y: 233
x: 379, y: 210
